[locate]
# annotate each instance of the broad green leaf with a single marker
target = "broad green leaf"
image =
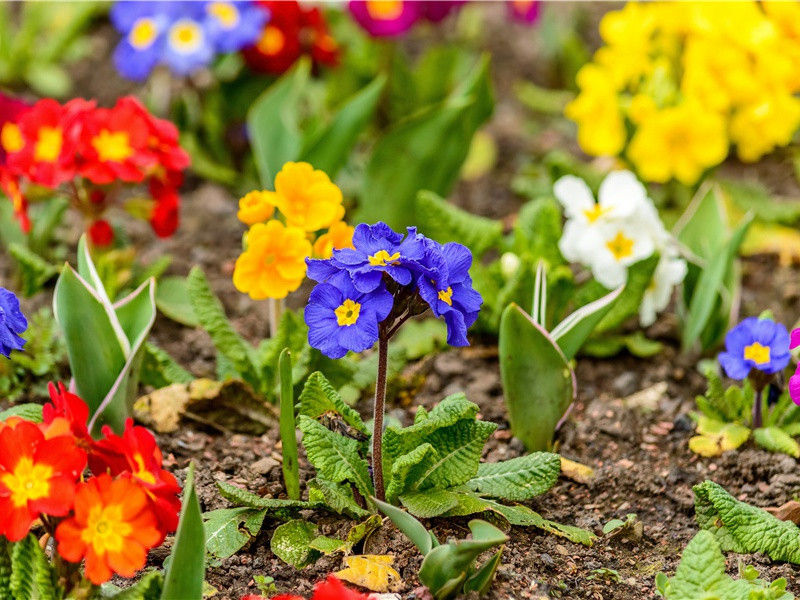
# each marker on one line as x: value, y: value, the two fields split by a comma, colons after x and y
x: 291, y: 543
x: 742, y: 528
x: 242, y: 497
x: 576, y: 328
x: 429, y: 503
x: 227, y: 530
x: 272, y: 122
x: 29, y: 412
x: 335, y: 497
x: 212, y: 318
x: 330, y: 149
x: 172, y: 299
x: 431, y: 145
x: 519, y: 478
x: 335, y: 457
x: 446, y: 222
x: 411, y: 527
x: 319, y: 397
x: 775, y: 439
x: 407, y: 469
x: 185, y: 574
x: 538, y: 382
x: 525, y: 517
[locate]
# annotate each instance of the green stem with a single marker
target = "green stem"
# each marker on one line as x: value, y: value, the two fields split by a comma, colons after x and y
x: 291, y: 475
x: 380, y: 402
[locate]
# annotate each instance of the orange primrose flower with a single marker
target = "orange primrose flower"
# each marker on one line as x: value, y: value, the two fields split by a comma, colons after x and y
x: 307, y: 197
x: 256, y: 207
x: 274, y: 261
x: 113, y: 528
x: 340, y: 235
x: 37, y: 476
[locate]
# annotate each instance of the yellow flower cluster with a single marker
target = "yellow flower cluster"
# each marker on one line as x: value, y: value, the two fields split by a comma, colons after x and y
x: 273, y: 263
x: 677, y: 83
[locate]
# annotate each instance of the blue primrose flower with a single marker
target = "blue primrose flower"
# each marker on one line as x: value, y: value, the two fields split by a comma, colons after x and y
x: 12, y: 323
x: 412, y: 271
x: 234, y: 25
x: 755, y: 343
x: 341, y: 318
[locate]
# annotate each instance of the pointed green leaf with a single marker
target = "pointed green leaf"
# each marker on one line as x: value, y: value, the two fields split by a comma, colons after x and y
x: 517, y: 479
x: 411, y: 527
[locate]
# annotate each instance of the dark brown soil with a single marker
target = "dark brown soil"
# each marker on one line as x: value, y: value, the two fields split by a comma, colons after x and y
x: 640, y: 456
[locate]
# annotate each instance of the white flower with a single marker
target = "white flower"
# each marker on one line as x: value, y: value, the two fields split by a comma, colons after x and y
x: 621, y: 244
x: 670, y: 272
x: 620, y: 196
x: 509, y: 264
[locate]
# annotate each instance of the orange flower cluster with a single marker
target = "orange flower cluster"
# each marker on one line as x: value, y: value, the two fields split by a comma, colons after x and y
x: 92, y: 149
x: 110, y: 519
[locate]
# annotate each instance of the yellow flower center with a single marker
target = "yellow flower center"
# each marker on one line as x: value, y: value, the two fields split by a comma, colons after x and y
x: 143, y: 33
x: 48, y: 144
x: 28, y: 481
x: 621, y: 246
x: 112, y: 146
x: 446, y: 296
x: 225, y: 12
x: 384, y: 10
x: 271, y: 41
x: 11, y: 138
x: 141, y: 471
x: 594, y: 213
x: 106, y: 530
x: 185, y: 36
x: 382, y: 258
x: 347, y: 313
x: 757, y: 353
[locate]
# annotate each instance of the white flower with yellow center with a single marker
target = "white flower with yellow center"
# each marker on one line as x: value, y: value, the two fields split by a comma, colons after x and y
x: 670, y: 272
x: 622, y: 243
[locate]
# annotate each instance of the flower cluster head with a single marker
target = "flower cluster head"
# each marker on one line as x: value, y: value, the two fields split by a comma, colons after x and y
x: 184, y: 36
x: 755, y: 343
x: 329, y: 589
x: 273, y: 263
x: 292, y: 31
x: 620, y: 229
x: 366, y: 291
x: 93, y: 149
x: 110, y: 517
x: 12, y: 323
x: 676, y: 84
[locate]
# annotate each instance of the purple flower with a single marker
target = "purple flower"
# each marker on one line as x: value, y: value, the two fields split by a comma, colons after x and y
x: 234, y: 25
x: 438, y: 10
x: 523, y: 11
x: 755, y: 343
x: 385, y: 18
x: 447, y: 288
x: 342, y: 319
x: 12, y: 323
x: 794, y: 380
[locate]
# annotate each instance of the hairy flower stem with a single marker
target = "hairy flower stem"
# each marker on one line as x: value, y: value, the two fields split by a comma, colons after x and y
x: 380, y: 402
x: 756, y: 418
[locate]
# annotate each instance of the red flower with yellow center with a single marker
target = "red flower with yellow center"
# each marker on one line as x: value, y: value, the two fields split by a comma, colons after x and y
x: 66, y: 414
x: 136, y: 452
x: 37, y: 476
x: 113, y: 528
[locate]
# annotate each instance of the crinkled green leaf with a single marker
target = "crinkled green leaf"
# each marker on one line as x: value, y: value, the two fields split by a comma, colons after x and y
x: 776, y: 439
x: 319, y: 397
x: 408, y: 468
x: 525, y: 517
x: 429, y: 503
x: 519, y: 478
x: 291, y: 543
x: 336, y: 497
x: 29, y: 412
x: 242, y: 497
x: 159, y: 369
x: 742, y: 528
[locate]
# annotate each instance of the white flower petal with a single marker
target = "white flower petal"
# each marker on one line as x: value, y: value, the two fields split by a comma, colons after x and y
x: 622, y: 194
x: 574, y: 195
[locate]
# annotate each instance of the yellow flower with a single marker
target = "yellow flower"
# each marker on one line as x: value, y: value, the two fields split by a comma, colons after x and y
x: 758, y: 128
x: 340, y: 235
x: 679, y: 141
x: 307, y: 197
x: 274, y: 262
x: 601, y: 130
x: 256, y: 207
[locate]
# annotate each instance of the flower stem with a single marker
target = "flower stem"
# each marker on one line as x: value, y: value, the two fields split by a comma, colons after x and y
x: 380, y: 401
x: 756, y: 418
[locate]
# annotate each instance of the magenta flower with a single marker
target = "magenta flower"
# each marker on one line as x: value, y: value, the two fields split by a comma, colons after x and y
x: 794, y: 380
x: 385, y: 18
x: 523, y: 11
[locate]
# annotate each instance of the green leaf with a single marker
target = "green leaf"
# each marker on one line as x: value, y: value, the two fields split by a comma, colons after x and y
x: 242, y: 497
x: 224, y: 531
x: 775, y: 439
x: 45, y: 576
x: 185, y: 574
x: 745, y: 529
x: 330, y: 149
x: 571, y: 333
x: 525, y: 517
x: 212, y: 318
x: 483, y: 578
x: 5, y: 567
x: 319, y: 397
x: 291, y: 473
x: 147, y: 588
x: 335, y: 457
x: 420, y: 338
x: 407, y: 469
x: 429, y: 503
x: 159, y: 369
x: 172, y: 299
x: 431, y: 145
x: 537, y: 231
x: 710, y: 284
x: 23, y: 568
x: 538, y: 383
x: 272, y: 122
x: 446, y: 222
x: 29, y: 412
x: 34, y: 271
x: 640, y: 275
x: 517, y: 479
x: 716, y: 437
x: 413, y: 529
x: 336, y: 497
x: 291, y: 543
